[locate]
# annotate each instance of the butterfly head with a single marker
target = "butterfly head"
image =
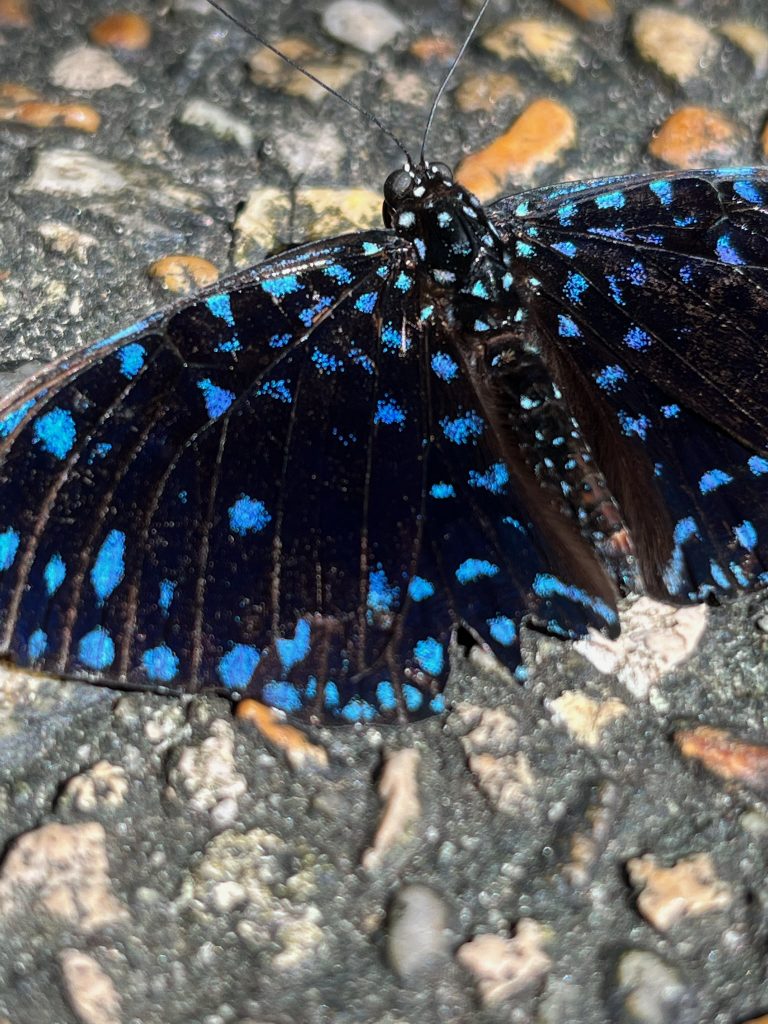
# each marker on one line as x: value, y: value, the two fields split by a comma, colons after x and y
x: 446, y: 223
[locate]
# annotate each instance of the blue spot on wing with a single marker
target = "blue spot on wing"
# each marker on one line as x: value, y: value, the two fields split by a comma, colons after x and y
x: 55, y: 432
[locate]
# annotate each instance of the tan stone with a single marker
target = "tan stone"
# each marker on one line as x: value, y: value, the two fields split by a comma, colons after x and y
x: 91, y: 992
x: 552, y: 47
x: 81, y: 117
x: 122, y: 30
x: 183, y: 274
x: 508, y: 782
x: 584, y: 718
x: 399, y: 789
x: 751, y: 39
x: 484, y: 92
x: 690, y: 888
x: 428, y: 48
x: 297, y: 747
x: 677, y: 44
x: 103, y: 784
x: 693, y: 136
x: 15, y: 14
x: 267, y: 69
x: 536, y: 139
x: 600, y: 11
x: 504, y: 968
x: 63, y: 869
x: 726, y: 756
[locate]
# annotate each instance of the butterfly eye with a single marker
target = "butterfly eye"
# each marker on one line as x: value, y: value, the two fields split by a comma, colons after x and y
x: 442, y: 171
x: 397, y: 186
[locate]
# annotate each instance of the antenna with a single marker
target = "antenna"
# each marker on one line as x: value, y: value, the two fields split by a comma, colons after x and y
x: 447, y: 78
x: 313, y: 78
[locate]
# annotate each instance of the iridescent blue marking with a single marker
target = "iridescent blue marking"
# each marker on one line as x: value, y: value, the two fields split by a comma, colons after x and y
x: 217, y: 400
x: 566, y: 248
x: 437, y: 704
x: 567, y: 328
x: 758, y: 465
x: 385, y: 695
x: 615, y: 290
x: 96, y: 649
x: 392, y: 339
x: 670, y: 412
x: 9, y: 545
x: 481, y: 325
x: 426, y: 313
x: 382, y: 596
x: 637, y: 274
x: 713, y: 479
x: 726, y: 251
x: 413, y: 697
x: 131, y: 359
x: 406, y: 219
x: 370, y: 248
x: 445, y: 367
x: 719, y: 576
x: 54, y: 574
x: 99, y: 451
x: 444, y: 219
x: 221, y: 306
x: 473, y: 569
x: 55, y: 432
x: 495, y: 478
x: 361, y: 359
x: 338, y: 273
x: 610, y: 200
x: 464, y: 428
x: 522, y: 209
x: 443, y: 490
x: 748, y: 191
x: 638, y: 425
x: 403, y: 281
x: 420, y: 589
x: 358, y: 710
x: 136, y: 328
x: 160, y: 663
x: 291, y: 652
x: 277, y: 389
x: 746, y: 534
x: 479, y: 290
x: 566, y: 213
x: 9, y: 423
x: 109, y: 566
x: 310, y: 314
x: 686, y: 273
x: 37, y: 644
x: 167, y: 588
x: 325, y: 362
x: 611, y: 378
x: 663, y: 191
x: 331, y: 696
x: 503, y: 630
x: 545, y: 585
x: 279, y: 340
x: 389, y: 413
x: 282, y: 286
x: 248, y: 515
x: 575, y: 286
x: 524, y: 249
x: 638, y: 339
x: 282, y: 695
x: 430, y: 655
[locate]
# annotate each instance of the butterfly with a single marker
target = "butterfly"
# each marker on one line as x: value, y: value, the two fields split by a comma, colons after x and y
x: 300, y: 483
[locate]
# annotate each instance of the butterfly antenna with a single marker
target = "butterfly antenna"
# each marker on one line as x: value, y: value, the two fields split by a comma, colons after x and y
x: 447, y: 78
x: 313, y: 78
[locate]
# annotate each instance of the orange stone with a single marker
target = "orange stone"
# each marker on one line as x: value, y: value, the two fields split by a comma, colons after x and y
x: 182, y: 274
x: 16, y: 93
x: 433, y: 48
x: 693, y: 136
x: 537, y: 138
x: 14, y: 14
x: 764, y: 140
x: 600, y: 11
x: 39, y: 114
x: 295, y: 745
x: 122, y: 30
x: 725, y: 755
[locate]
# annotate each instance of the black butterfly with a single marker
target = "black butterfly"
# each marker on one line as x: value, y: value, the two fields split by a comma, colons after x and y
x: 297, y: 485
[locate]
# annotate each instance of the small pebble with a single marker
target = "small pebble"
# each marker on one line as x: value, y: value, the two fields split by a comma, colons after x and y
x: 764, y: 147
x: 212, y: 118
x: 584, y: 718
x: 751, y: 39
x: 553, y: 48
x: 694, y: 137
x: 90, y: 991
x: 507, y: 967
x: 103, y: 785
x: 399, y: 790
x: 725, y: 755
x: 183, y: 274
x: 14, y: 14
x: 40, y: 114
x: 298, y: 748
x: 600, y: 11
x: 429, y: 48
x: 268, y: 70
x: 536, y: 139
x: 648, y: 990
x: 484, y: 92
x: 361, y: 23
x: 66, y: 240
x: 690, y: 888
x: 419, y: 939
x: 86, y: 69
x: 122, y: 30
x: 679, y: 46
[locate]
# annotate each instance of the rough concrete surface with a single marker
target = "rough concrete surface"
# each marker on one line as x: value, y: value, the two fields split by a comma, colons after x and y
x: 552, y: 852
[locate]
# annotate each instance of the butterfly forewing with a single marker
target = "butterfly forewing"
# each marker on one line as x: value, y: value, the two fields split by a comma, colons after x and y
x: 651, y: 299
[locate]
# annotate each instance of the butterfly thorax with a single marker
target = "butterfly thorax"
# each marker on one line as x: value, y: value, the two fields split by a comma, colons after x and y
x: 455, y: 244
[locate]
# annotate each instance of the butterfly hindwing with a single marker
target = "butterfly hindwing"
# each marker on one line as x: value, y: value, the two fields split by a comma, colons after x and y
x: 650, y: 296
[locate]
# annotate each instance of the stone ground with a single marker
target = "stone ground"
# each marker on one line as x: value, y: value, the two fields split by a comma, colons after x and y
x: 591, y: 847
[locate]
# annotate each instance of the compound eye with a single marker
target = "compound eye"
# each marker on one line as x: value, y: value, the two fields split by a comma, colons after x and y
x: 442, y: 171
x: 397, y: 186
